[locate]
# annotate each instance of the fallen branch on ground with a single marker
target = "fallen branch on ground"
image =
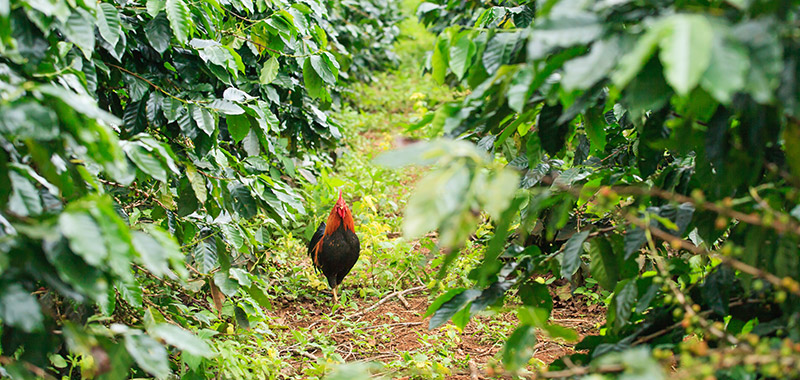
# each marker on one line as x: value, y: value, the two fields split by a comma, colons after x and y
x: 384, y: 299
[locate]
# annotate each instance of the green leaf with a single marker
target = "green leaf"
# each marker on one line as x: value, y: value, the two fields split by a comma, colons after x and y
x: 631, y: 63
x: 571, y: 257
x: 322, y: 69
x: 204, y: 119
x: 79, y: 28
x: 108, y: 23
x: 727, y: 69
x: 152, y: 254
x: 241, y: 318
x: 552, y: 134
x: 179, y: 20
x: 518, y: 349
x: 575, y: 28
x: 594, y: 123
x: 233, y: 235
x: 148, y: 354
x: 498, y: 51
x: 155, y: 6
x: 439, y: 60
x: 269, y: 71
x: 24, y: 200
x: 716, y: 289
x: 461, y: 55
x: 259, y: 296
x: 490, y: 264
x: 686, y: 51
x: 205, y: 255
x: 182, y: 339
x: 238, y: 126
x: 198, y: 183
x: 518, y: 91
x: 158, y: 33
x: 603, y: 264
x: 634, y: 238
x: 312, y: 79
x: 225, y: 107
x: 624, y: 301
x: 766, y: 57
x: 146, y: 161
x: 451, y: 307
x: 225, y: 283
x: 130, y: 293
x: 556, y: 331
x: 20, y: 309
x: 583, y: 72
x: 85, y: 237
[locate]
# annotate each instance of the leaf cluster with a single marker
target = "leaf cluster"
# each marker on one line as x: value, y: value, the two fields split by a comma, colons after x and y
x: 148, y: 152
x: 656, y: 149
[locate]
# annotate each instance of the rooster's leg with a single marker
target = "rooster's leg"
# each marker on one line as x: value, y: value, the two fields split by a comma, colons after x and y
x: 335, y: 297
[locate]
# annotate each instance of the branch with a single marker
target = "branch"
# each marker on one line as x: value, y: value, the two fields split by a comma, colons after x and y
x: 139, y: 191
x: 384, y: 299
x: 786, y: 283
x: 157, y: 87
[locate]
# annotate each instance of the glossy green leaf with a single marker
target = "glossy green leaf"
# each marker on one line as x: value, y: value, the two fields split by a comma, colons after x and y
x: 634, y: 60
x: 452, y: 306
x: 583, y: 72
x: 498, y: 51
x: 150, y: 355
x: 198, y: 183
x: 146, y: 161
x: 312, y: 79
x: 461, y: 55
x: 603, y: 264
x: 571, y: 257
x: 323, y: 70
x: 154, y: 7
x: 269, y: 71
x: 238, y: 126
x: 518, y: 348
x: 179, y: 20
x: 79, y: 28
x: 205, y: 255
x: 20, y: 309
x: 151, y: 253
x: 182, y: 339
x: 85, y: 237
x: 108, y: 23
x: 439, y: 60
x: 204, y: 119
x: 686, y: 51
x: 24, y: 199
x: 158, y: 33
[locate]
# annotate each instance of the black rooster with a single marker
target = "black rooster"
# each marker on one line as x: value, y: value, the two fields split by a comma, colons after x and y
x: 334, y: 247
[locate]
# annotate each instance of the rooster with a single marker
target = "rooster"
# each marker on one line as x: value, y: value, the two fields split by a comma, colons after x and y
x: 334, y: 247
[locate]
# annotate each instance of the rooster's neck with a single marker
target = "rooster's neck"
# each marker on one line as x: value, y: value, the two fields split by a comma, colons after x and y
x: 335, y: 221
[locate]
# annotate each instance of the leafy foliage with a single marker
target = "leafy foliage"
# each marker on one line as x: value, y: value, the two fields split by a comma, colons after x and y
x: 656, y: 141
x: 144, y: 138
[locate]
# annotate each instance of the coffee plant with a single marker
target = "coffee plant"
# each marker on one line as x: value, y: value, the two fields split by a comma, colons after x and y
x: 148, y: 150
x: 653, y: 146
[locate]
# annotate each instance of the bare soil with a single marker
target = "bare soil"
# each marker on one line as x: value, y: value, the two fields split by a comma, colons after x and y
x: 397, y: 329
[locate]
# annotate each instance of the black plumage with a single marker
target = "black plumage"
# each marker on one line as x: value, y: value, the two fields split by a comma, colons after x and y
x: 334, y: 248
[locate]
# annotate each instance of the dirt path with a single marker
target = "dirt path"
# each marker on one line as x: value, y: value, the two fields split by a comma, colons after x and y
x: 396, y: 330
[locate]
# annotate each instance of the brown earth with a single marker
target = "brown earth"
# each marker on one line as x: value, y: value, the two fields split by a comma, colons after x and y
x: 400, y: 328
